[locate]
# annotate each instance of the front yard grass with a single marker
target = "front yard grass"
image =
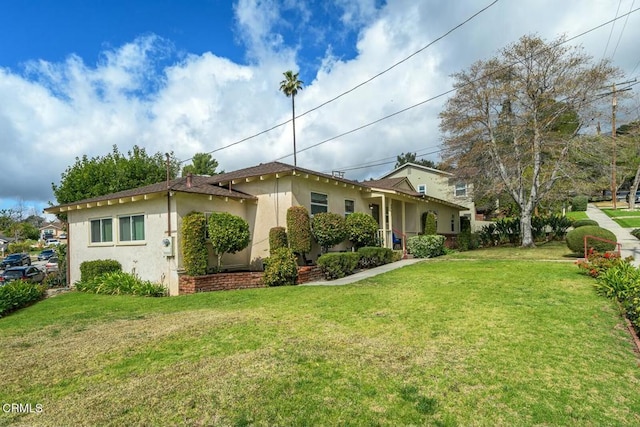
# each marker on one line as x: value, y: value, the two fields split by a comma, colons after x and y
x: 615, y: 213
x: 443, y: 342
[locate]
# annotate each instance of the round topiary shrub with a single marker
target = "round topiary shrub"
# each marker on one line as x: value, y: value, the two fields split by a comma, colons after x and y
x: 575, y: 239
x: 583, y: 222
x: 328, y: 229
x: 362, y: 229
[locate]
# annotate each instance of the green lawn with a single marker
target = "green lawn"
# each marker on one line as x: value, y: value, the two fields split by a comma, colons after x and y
x: 444, y: 342
x: 576, y: 215
x: 616, y: 213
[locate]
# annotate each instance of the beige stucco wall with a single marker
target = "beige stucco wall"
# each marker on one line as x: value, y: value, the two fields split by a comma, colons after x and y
x: 142, y: 257
x: 441, y: 186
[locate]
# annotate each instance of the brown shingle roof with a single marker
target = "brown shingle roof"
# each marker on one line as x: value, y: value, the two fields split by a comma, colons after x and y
x: 391, y: 184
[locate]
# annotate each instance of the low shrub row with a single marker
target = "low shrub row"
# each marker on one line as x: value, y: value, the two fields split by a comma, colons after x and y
x: 18, y: 294
x: 121, y: 283
x: 91, y: 269
x: 335, y: 265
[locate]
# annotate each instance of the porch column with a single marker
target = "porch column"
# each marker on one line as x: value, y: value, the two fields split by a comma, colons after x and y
x: 391, y: 220
x: 404, y: 228
x: 384, y: 221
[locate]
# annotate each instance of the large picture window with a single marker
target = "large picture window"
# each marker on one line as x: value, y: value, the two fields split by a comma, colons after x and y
x: 319, y: 203
x: 131, y: 228
x: 101, y: 230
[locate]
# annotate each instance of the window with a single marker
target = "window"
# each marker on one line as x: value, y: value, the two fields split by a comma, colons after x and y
x: 461, y: 190
x: 422, y: 189
x: 319, y: 203
x: 101, y: 230
x: 131, y: 228
x: 453, y: 223
x: 349, y: 207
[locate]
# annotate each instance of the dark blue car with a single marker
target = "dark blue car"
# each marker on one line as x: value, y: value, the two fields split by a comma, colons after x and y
x: 15, y: 259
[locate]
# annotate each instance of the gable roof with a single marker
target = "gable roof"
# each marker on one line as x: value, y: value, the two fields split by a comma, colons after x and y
x: 416, y: 166
x: 198, y: 185
x: 221, y: 185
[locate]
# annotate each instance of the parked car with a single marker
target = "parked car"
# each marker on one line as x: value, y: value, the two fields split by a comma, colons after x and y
x: 15, y: 259
x: 52, y: 265
x: 27, y: 273
x: 53, y: 242
x: 63, y: 236
x: 637, y: 196
x: 46, y: 254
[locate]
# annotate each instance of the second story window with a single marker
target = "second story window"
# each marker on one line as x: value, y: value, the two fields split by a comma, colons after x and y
x: 461, y: 189
x: 422, y: 189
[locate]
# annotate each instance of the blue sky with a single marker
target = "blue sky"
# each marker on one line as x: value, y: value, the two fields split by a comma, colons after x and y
x: 77, y: 77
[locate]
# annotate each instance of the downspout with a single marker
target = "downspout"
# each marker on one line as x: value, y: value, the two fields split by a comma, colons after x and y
x: 168, y: 197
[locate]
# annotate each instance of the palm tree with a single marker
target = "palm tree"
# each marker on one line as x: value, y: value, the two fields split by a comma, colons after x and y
x: 290, y: 87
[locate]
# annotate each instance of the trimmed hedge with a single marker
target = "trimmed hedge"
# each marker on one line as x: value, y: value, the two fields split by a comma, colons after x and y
x: 277, y: 239
x: 362, y: 229
x: 338, y: 264
x: 575, y: 239
x: 18, y: 294
x: 426, y: 246
x: 373, y: 256
x: 281, y: 268
x: 584, y: 222
x: 430, y: 224
x: 91, y: 269
x: 299, y: 230
x: 194, y: 244
x: 328, y: 229
x: 579, y: 203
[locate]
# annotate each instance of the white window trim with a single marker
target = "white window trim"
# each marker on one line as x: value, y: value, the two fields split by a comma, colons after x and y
x: 422, y: 188
x: 311, y: 203
x: 113, y: 232
x: 132, y: 242
x: 457, y: 186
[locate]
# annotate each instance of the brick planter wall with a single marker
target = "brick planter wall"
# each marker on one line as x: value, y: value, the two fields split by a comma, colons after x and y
x: 243, y: 280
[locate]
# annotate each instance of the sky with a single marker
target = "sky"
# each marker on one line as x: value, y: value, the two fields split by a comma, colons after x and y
x: 78, y: 77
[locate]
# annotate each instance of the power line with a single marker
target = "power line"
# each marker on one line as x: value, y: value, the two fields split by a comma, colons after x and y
x: 454, y: 89
x: 604, y: 54
x: 358, y: 85
x: 622, y: 32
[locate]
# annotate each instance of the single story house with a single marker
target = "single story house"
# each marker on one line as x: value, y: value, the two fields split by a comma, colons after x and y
x: 140, y: 227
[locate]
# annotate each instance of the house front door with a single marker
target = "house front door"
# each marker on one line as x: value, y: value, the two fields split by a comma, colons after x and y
x: 375, y: 213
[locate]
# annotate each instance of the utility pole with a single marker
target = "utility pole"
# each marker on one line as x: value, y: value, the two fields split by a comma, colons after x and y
x: 614, y: 105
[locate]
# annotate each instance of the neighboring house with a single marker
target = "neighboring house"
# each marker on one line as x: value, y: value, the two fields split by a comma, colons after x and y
x: 439, y: 184
x: 4, y: 244
x: 140, y: 228
x: 51, y: 230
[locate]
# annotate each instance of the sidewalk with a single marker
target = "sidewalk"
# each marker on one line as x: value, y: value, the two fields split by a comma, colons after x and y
x: 630, y: 245
x: 365, y: 274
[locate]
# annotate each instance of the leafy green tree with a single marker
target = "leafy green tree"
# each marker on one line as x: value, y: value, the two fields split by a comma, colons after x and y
x: 290, y: 87
x: 328, y: 229
x: 507, y: 120
x: 97, y: 176
x: 361, y: 229
x: 201, y: 164
x: 411, y: 158
x: 228, y: 233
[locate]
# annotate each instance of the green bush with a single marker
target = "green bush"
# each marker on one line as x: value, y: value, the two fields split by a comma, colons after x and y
x: 91, y: 269
x: 328, y: 229
x: 18, y: 294
x: 281, y: 268
x: 579, y: 203
x: 467, y: 241
x: 559, y: 225
x: 121, y: 283
x: 277, y: 239
x: 508, y: 230
x: 575, y: 239
x: 489, y: 235
x: 338, y: 264
x: 299, y: 230
x: 193, y: 244
x: 617, y: 282
x: 631, y: 306
x: 636, y: 233
x: 584, y: 222
x: 373, y: 256
x: 228, y: 233
x: 427, y: 246
x: 362, y: 229
x: 430, y: 224
x: 23, y: 246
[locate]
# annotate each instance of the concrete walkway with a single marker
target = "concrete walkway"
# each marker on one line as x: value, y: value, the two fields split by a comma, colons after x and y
x: 365, y: 274
x: 630, y: 244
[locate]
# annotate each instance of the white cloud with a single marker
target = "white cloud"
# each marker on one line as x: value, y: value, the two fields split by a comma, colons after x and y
x: 55, y: 112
